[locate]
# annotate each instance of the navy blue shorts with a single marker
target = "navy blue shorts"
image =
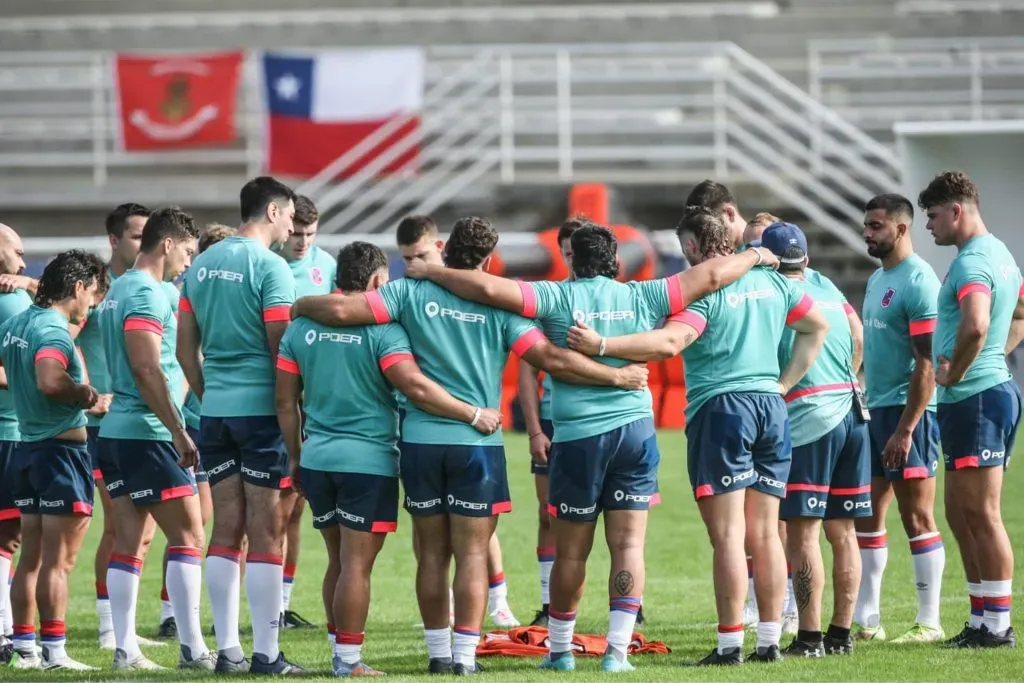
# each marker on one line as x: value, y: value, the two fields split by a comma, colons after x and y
x: 199, y: 471
x: 250, y: 446
x: 979, y: 431
x: 8, y: 510
x: 617, y: 470
x: 470, y: 481
x: 923, y: 459
x: 548, y: 429
x: 737, y: 441
x: 93, y: 444
x: 149, y: 471
x: 831, y: 477
x: 53, y: 477
x: 362, y: 502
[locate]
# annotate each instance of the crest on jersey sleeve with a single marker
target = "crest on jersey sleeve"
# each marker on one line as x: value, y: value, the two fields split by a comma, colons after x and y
x: 887, y: 297
x: 316, y: 275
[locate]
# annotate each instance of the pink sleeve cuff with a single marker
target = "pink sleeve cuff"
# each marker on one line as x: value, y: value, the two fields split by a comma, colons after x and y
x: 800, y: 310
x: 529, y: 299
x: 288, y: 365
x: 277, y: 314
x: 54, y: 354
x: 143, y: 325
x: 377, y: 307
x: 527, y: 341
x: 694, y: 320
x: 974, y: 287
x: 1020, y: 292
x: 922, y: 326
x: 848, y: 309
x: 393, y: 359
x: 675, y: 295
x: 184, y: 305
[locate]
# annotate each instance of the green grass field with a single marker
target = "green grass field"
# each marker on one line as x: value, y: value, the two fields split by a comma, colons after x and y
x: 679, y: 601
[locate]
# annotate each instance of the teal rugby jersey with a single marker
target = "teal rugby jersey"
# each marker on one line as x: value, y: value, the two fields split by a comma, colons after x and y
x: 11, y: 304
x: 461, y: 345
x: 351, y: 414
x: 233, y: 288
x: 983, y: 264
x: 899, y: 303
x: 30, y: 336
x: 315, y: 273
x: 740, y: 329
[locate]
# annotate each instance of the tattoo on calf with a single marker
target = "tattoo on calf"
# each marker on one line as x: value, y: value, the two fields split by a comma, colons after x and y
x: 623, y: 582
x: 802, y: 586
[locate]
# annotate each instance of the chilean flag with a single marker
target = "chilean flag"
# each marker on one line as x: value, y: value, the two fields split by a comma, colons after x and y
x: 319, y: 106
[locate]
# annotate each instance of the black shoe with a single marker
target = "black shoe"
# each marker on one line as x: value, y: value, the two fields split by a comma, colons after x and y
x: 770, y: 654
x: 290, y: 619
x: 541, y: 618
x: 800, y: 648
x: 440, y: 666
x: 6, y: 652
x: 168, y: 629
x: 966, y: 638
x: 837, y: 646
x: 463, y: 670
x: 279, y: 667
x: 732, y: 657
x: 987, y: 639
x: 229, y: 666
x: 640, y: 621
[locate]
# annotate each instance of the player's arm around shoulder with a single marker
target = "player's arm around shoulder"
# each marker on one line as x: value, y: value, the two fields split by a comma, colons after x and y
x: 573, y: 367
x: 514, y: 296
x: 721, y: 271
x: 340, y: 309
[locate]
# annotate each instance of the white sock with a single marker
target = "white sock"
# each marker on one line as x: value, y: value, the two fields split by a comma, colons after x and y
x: 166, y: 610
x: 8, y: 613
x: 25, y: 640
x: 263, y: 581
x: 5, y: 588
x: 729, y: 638
x: 464, y: 649
x: 998, y: 597
x: 349, y: 647
x: 123, y: 587
x: 497, y: 593
x: 54, y: 636
x: 103, y: 610
x: 286, y: 587
x: 439, y: 643
x: 223, y: 583
x: 929, y: 557
x: 977, y: 595
x: 545, y: 560
x: 789, y: 606
x: 621, y: 620
x: 874, y: 554
x: 768, y: 633
x: 185, y: 589
x: 560, y: 629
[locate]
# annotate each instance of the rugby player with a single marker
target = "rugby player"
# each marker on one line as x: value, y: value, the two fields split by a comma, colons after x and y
x: 12, y: 263
x: 455, y: 481
x: 144, y: 436
x: 756, y: 227
x: 738, y: 448
x: 51, y: 479
x: 831, y: 471
x: 124, y: 232
x: 900, y: 307
x: 417, y: 238
x: 314, y: 271
x: 348, y: 466
x: 980, y: 320
x: 234, y: 310
x: 617, y: 427
x: 717, y: 199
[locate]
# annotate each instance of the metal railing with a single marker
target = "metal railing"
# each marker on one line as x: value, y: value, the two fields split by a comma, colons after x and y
x: 877, y: 82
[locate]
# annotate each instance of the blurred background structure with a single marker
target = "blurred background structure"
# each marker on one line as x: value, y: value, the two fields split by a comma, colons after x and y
x: 795, y: 105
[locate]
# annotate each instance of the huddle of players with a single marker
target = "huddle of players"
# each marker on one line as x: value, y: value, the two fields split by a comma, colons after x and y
x: 463, y: 322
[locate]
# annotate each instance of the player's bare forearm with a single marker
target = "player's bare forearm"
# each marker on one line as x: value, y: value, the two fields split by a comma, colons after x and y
x: 857, y: 330
x: 3, y: 379
x: 529, y: 397
x: 188, y: 353
x: 571, y: 367
x: 922, y: 384
x: 655, y: 345
x: 275, y: 331
x: 287, y: 392
x: 810, y: 336
x: 54, y: 382
x: 427, y: 394
x: 478, y: 286
x: 334, y: 310
x: 713, y: 274
x: 971, y: 334
x: 1016, y: 334
x: 144, y: 357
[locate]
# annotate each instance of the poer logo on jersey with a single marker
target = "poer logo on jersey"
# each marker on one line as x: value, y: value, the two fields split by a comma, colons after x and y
x: 737, y: 298
x: 107, y: 305
x: 433, y: 309
x: 339, y: 338
x: 228, y: 275
x: 17, y: 341
x: 603, y: 316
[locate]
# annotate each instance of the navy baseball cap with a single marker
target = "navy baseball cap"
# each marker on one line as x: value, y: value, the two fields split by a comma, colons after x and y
x: 779, y: 238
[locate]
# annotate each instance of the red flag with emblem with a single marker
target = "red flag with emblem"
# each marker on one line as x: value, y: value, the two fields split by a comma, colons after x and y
x: 177, y: 101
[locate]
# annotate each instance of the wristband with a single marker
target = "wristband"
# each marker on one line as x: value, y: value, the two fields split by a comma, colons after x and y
x: 536, y: 434
x: 476, y: 418
x: 602, y: 347
x: 758, y: 255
